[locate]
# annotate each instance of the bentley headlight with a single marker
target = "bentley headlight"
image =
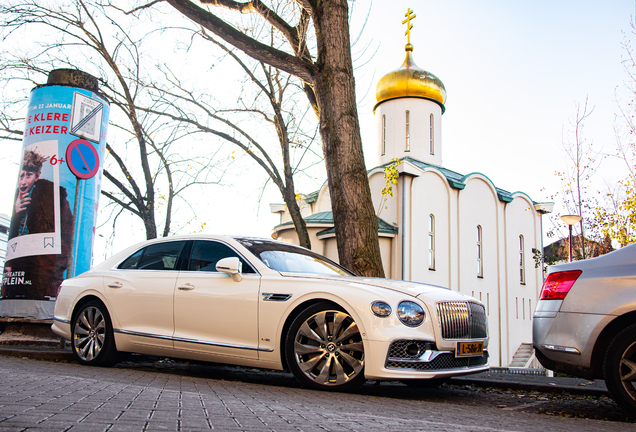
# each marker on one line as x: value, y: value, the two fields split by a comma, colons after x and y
x: 411, y: 314
x: 381, y: 309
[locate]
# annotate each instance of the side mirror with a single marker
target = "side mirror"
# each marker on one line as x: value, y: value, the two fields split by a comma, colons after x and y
x: 232, y: 266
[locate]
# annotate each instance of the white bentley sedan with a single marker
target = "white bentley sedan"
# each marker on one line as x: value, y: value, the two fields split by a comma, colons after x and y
x: 267, y: 304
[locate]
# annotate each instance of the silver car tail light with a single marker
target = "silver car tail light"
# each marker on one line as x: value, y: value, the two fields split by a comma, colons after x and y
x: 462, y: 320
x: 558, y: 285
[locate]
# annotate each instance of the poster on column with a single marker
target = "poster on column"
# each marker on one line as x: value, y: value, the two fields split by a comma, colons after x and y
x: 54, y: 208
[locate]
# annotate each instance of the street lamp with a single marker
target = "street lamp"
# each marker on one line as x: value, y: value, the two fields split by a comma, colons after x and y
x: 570, y: 220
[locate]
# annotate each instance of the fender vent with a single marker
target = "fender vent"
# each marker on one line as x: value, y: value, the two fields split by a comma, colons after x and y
x: 276, y: 297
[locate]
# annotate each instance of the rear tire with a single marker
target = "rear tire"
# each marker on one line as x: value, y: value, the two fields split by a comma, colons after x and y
x: 92, y: 336
x: 619, y: 369
x: 324, y: 349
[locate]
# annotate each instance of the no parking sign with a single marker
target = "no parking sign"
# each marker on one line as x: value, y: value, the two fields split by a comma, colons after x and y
x: 82, y: 159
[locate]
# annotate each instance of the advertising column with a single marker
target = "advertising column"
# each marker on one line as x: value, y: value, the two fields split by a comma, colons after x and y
x: 55, y: 204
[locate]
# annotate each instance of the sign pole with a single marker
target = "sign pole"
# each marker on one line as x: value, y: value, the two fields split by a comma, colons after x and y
x: 71, y: 255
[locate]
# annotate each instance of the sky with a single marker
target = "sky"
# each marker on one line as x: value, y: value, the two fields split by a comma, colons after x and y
x: 514, y: 73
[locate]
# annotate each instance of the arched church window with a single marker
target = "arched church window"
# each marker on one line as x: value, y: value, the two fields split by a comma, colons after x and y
x: 480, y: 253
x: 431, y: 242
x: 408, y: 131
x: 383, y: 134
x: 522, y: 267
x: 432, y: 139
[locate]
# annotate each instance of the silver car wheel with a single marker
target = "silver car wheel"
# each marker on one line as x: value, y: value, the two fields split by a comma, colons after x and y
x: 89, y: 333
x: 619, y: 369
x: 627, y: 370
x: 328, y: 348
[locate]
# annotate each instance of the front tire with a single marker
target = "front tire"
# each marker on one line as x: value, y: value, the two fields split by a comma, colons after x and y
x: 92, y: 336
x: 324, y: 349
x: 619, y: 369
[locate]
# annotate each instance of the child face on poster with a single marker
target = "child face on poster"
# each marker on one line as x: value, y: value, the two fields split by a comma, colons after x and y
x: 30, y: 173
x: 25, y: 184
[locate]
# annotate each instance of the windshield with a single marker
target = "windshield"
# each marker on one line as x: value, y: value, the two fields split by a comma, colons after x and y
x: 284, y: 257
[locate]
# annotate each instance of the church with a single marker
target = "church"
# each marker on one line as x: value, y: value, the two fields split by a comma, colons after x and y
x: 438, y: 226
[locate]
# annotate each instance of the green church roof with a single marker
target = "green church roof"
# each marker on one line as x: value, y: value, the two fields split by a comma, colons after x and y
x: 456, y: 180
x: 327, y: 218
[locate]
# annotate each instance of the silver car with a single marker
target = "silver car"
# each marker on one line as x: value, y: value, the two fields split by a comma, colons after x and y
x: 585, y: 322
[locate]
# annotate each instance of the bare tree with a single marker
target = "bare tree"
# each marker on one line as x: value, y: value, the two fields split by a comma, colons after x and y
x: 581, y: 164
x: 616, y: 214
x: 144, y: 170
x: 270, y: 103
x: 329, y: 86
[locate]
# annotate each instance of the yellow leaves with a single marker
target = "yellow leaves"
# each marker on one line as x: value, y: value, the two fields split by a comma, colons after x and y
x: 391, y: 174
x: 619, y: 220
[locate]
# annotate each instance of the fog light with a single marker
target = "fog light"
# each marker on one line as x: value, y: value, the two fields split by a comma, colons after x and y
x: 413, y: 350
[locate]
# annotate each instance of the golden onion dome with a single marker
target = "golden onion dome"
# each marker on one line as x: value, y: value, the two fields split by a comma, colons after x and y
x: 410, y: 81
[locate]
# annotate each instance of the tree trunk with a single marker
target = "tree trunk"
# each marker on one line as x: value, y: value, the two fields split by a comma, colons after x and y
x: 331, y: 78
x: 294, y: 211
x: 148, y: 216
x: 354, y: 217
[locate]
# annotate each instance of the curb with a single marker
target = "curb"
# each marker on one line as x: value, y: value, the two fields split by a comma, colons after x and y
x: 38, y: 353
x: 574, y: 386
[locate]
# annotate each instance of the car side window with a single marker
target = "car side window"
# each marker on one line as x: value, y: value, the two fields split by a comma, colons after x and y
x: 160, y: 256
x: 132, y: 262
x: 205, y: 255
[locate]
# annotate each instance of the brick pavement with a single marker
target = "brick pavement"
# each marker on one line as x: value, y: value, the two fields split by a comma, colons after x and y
x: 46, y: 396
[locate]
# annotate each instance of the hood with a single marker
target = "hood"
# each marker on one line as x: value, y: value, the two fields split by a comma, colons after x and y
x: 413, y: 289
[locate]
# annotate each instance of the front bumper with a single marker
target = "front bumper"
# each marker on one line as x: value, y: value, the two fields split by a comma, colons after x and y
x: 428, y: 363
x: 62, y: 328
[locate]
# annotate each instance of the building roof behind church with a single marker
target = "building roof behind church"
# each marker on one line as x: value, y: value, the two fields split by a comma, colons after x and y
x: 312, y: 197
x: 383, y: 227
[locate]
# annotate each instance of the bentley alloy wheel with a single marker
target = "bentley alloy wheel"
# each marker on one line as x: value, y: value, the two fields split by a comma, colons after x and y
x: 325, y: 348
x: 92, y: 336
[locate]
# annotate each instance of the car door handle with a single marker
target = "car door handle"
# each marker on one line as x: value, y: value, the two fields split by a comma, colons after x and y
x: 115, y: 285
x: 186, y: 287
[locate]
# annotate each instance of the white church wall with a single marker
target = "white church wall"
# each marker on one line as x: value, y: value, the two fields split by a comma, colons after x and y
x: 431, y: 196
x: 305, y: 208
x: 386, y: 251
x: 285, y: 216
x: 393, y: 132
x: 521, y: 295
x: 289, y: 235
x: 323, y: 202
x: 330, y: 248
x: 478, y: 206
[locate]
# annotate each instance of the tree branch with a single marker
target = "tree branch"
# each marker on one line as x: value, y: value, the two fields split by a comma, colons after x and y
x: 299, y: 67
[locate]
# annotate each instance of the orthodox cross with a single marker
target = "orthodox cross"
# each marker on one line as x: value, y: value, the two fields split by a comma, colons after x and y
x: 409, y: 16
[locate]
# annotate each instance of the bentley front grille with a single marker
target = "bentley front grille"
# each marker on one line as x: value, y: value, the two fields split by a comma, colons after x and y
x: 462, y: 320
x: 422, y: 356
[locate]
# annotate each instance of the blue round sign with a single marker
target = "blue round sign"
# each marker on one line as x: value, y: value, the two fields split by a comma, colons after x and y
x: 82, y: 159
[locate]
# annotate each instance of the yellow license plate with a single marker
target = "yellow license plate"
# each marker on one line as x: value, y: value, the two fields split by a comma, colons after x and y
x: 469, y: 349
